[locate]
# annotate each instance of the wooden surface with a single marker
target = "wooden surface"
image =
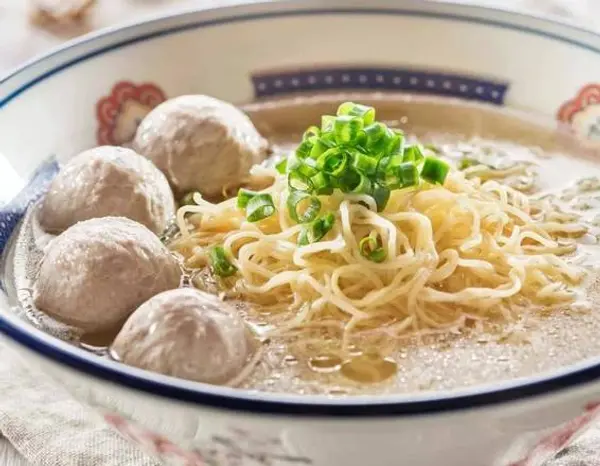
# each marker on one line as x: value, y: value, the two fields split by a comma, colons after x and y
x: 20, y: 40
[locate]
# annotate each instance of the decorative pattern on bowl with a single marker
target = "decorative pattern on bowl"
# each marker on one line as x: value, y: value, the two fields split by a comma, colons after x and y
x: 242, y: 448
x: 120, y: 113
x: 546, y: 446
x: 441, y: 83
x: 582, y: 112
x: 235, y: 447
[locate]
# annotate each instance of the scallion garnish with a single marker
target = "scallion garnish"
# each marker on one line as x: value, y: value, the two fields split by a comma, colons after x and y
x: 302, y: 206
x: 381, y: 194
x: 243, y: 197
x: 259, y: 207
x: 434, y: 170
x: 467, y: 162
x: 413, y: 154
x: 220, y: 263
x: 355, y: 154
x: 409, y: 173
x: 281, y: 167
x: 297, y: 181
x: 333, y: 162
x: 319, y: 148
x: 363, y: 186
x: 347, y: 128
x: 322, y: 184
x: 370, y: 247
x: 364, y: 164
x: 303, y: 150
x: 366, y: 113
x: 316, y: 230
x: 311, y: 133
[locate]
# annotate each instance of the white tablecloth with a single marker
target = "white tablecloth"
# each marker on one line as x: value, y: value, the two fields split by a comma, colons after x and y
x: 90, y: 441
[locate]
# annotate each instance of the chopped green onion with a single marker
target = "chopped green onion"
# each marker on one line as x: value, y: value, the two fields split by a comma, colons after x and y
x: 303, y: 150
x: 366, y: 113
x: 319, y: 148
x: 379, y: 148
x: 316, y: 230
x: 321, y: 184
x: 294, y: 201
x: 434, y: 170
x: 349, y: 182
x: 355, y: 154
x: 244, y: 196
x: 259, y: 207
x: 413, y: 154
x: 310, y: 133
x: 409, y: 173
x: 347, y: 129
x: 467, y: 162
x: 220, y: 263
x: 188, y: 199
x: 281, y: 167
x: 333, y: 162
x: 370, y: 248
x: 327, y: 122
x: 381, y: 194
x: 389, y: 172
x: 395, y: 143
x: 308, y: 167
x: 364, y: 186
x: 293, y: 162
x: 378, y: 255
x: 364, y: 164
x: 299, y: 182
x: 375, y: 133
x: 392, y: 180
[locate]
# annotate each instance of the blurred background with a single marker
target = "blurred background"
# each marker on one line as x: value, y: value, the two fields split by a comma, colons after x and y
x: 30, y: 27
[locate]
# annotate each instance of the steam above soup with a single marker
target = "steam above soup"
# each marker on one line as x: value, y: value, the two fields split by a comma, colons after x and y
x: 355, y: 259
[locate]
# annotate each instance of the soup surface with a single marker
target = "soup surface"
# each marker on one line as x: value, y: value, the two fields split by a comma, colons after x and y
x: 484, y: 143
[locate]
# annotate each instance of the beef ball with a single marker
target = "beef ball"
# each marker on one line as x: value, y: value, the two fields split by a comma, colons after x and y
x: 200, y: 143
x: 107, y: 181
x: 97, y: 272
x: 186, y: 333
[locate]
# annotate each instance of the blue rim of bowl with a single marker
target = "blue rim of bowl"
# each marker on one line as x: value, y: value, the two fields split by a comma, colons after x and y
x: 437, y: 402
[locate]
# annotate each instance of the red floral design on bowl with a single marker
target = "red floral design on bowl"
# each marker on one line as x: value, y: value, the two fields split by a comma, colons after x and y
x: 582, y: 113
x: 556, y: 439
x: 120, y: 113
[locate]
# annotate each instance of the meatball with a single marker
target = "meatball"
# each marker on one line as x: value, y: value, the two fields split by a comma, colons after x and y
x: 186, y: 333
x: 200, y: 143
x: 96, y: 273
x: 107, y: 181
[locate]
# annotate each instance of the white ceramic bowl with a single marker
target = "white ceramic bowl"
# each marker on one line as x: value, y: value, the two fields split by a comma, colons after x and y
x: 96, y: 89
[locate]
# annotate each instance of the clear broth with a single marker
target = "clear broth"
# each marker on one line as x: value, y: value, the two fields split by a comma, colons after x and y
x: 433, y: 363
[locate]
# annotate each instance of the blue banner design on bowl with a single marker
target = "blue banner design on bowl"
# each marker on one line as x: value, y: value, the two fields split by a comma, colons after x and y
x: 278, y: 83
x: 12, y: 212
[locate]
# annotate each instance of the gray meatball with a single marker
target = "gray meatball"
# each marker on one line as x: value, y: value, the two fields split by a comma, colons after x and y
x: 188, y: 334
x: 107, y: 181
x: 200, y: 143
x: 96, y: 273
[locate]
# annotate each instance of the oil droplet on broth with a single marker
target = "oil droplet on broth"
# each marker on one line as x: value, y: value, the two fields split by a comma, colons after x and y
x: 290, y: 360
x: 325, y: 363
x: 369, y: 368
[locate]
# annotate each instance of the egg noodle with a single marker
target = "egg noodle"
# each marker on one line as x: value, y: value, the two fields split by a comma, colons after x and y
x: 459, y: 253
